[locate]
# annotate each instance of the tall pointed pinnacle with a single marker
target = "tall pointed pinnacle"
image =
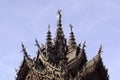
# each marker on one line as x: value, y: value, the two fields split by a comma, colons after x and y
x: 59, y: 32
x: 60, y: 41
x: 99, y: 51
x: 48, y: 39
x: 98, y: 56
x: 71, y: 42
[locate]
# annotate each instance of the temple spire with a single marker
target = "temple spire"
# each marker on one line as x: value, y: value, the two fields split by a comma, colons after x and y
x: 59, y: 40
x: 59, y: 32
x: 48, y: 38
x: 71, y: 42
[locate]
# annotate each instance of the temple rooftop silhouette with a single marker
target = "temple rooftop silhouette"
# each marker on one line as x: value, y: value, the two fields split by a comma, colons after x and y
x: 59, y: 59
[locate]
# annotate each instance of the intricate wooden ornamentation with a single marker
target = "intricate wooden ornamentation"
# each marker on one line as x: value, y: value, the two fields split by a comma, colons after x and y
x: 57, y: 60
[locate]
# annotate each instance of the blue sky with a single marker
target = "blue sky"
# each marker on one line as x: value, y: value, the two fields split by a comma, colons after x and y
x: 96, y: 21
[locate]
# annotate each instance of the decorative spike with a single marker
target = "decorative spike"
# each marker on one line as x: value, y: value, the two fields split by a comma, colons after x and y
x: 37, y: 44
x: 98, y: 56
x: 100, y: 49
x: 23, y: 49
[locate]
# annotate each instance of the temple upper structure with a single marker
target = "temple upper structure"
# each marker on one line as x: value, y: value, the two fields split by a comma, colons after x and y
x: 58, y: 59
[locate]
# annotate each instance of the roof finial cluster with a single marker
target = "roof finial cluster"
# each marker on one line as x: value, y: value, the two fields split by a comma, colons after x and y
x: 57, y: 60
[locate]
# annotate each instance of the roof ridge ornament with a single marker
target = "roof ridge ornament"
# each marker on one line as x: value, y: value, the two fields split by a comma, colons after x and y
x: 37, y: 44
x: 23, y: 49
x: 100, y: 49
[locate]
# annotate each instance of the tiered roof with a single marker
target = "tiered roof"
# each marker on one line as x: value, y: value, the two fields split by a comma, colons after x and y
x: 58, y: 61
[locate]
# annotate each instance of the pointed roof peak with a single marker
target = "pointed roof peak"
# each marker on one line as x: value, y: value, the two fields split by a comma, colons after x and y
x: 100, y: 49
x: 98, y: 55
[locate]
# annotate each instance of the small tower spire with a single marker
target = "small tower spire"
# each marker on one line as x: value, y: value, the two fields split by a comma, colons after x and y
x: 60, y: 41
x: 59, y: 32
x: 48, y: 39
x: 71, y: 42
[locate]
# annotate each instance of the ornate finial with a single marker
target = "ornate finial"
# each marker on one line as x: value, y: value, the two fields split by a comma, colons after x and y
x: 71, y: 27
x: 37, y: 44
x: 58, y: 15
x: 49, y: 27
x: 100, y: 49
x: 23, y: 49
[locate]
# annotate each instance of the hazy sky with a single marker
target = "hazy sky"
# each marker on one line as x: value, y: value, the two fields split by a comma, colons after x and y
x: 96, y: 21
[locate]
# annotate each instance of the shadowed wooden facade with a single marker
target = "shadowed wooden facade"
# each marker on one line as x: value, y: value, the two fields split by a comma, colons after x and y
x: 57, y: 60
